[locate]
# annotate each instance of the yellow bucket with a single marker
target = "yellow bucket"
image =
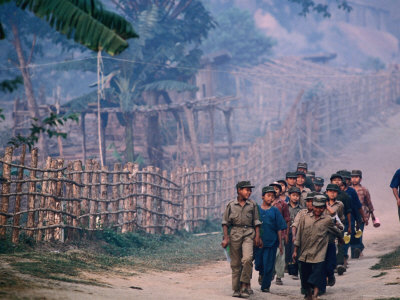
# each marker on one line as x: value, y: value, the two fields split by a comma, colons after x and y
x: 358, y: 233
x: 346, y: 238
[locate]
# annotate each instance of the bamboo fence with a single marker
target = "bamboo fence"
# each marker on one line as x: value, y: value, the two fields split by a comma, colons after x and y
x: 68, y: 200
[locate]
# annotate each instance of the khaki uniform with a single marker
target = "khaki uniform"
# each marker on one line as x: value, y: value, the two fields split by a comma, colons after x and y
x: 303, y: 196
x: 242, y: 222
x: 312, y: 237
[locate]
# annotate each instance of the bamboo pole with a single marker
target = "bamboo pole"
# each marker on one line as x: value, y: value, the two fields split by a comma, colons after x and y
x: 5, y: 189
x: 94, y: 195
x: 42, y: 201
x: 32, y: 190
x: 127, y: 189
x: 59, y: 232
x: 86, y: 192
x: 76, y: 194
x: 115, y: 194
x: 50, y: 203
x: 68, y: 204
x: 17, y: 208
x: 103, y: 196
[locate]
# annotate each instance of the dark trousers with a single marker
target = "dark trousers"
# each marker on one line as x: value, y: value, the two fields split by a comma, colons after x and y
x: 268, y: 266
x: 312, y: 274
x: 330, y: 265
x: 358, y: 242
x: 292, y: 267
x: 352, y: 240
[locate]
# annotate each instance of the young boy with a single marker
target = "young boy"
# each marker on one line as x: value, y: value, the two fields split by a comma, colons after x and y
x: 291, y: 178
x: 318, y: 184
x: 294, y: 209
x: 241, y: 216
x: 281, y: 204
x: 311, y: 245
x: 272, y: 226
x: 300, y: 181
x: 365, y: 199
x: 284, y: 194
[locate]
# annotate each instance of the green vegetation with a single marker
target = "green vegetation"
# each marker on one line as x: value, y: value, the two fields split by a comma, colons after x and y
x: 388, y: 261
x: 116, y: 253
x: 380, y: 274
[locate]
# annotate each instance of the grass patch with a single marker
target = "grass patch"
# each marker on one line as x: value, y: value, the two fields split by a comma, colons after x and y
x: 388, y: 261
x: 380, y: 274
x: 392, y: 298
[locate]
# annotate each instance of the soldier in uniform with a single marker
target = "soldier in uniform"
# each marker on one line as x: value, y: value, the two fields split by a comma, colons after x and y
x: 311, y: 245
x: 241, y: 216
x: 303, y: 167
x: 300, y: 183
x: 291, y: 178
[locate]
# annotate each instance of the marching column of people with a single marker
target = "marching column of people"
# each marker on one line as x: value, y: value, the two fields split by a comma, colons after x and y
x: 297, y: 229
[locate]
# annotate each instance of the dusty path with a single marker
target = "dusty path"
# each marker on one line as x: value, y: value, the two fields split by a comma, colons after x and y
x: 378, y: 156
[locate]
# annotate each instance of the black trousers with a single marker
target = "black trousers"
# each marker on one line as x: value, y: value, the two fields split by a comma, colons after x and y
x: 312, y: 274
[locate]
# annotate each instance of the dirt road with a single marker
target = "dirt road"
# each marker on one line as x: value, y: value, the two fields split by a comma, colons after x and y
x: 376, y: 153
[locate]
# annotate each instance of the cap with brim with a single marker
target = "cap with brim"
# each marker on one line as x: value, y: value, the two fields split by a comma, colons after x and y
x: 277, y: 184
x: 336, y: 175
x: 283, y: 182
x: 319, y: 201
x: 298, y: 173
x: 332, y: 187
x: 268, y: 189
x: 302, y: 165
x: 310, y: 196
x: 356, y: 173
x: 345, y: 174
x: 319, y: 181
x: 291, y: 175
x: 311, y: 174
x: 244, y: 184
x: 294, y: 189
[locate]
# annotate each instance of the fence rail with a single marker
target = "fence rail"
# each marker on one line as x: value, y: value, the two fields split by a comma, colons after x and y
x: 67, y: 200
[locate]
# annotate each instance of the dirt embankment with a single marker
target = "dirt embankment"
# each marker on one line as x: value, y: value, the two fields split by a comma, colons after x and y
x: 376, y: 153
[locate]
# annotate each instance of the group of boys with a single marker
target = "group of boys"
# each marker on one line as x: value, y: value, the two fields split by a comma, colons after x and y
x: 297, y: 228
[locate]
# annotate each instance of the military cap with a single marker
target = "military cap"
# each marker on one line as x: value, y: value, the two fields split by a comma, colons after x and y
x: 332, y: 187
x: 336, y: 175
x: 319, y: 201
x: 294, y: 189
x: 310, y: 196
x: 244, y: 184
x: 310, y: 173
x: 299, y: 173
x: 319, y: 181
x: 277, y: 184
x: 291, y: 175
x: 268, y: 189
x: 302, y: 165
x: 345, y: 174
x: 356, y: 173
x: 282, y: 181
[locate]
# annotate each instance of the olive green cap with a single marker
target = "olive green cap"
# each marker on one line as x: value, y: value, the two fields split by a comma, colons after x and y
x: 291, y: 175
x: 294, y: 189
x: 319, y: 181
x: 356, y: 173
x: 332, y: 187
x: 244, y: 184
x: 319, y: 201
x: 268, y: 189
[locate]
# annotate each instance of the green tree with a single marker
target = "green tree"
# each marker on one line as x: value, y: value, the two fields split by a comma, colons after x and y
x: 237, y: 33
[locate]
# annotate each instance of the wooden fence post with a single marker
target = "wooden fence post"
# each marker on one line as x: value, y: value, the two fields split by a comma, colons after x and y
x: 103, y: 196
x: 50, y: 203
x: 94, y: 196
x: 42, y: 201
x: 32, y: 191
x: 69, y: 202
x: 76, y: 194
x: 5, y: 189
x: 157, y: 201
x: 17, y: 208
x: 58, y: 218
x: 86, y: 193
x: 117, y: 204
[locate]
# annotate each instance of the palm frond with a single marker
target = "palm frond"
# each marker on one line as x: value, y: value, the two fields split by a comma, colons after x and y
x: 86, y: 21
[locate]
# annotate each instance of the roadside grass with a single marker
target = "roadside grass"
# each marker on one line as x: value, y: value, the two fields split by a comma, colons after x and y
x: 116, y: 253
x: 388, y: 261
x: 380, y: 275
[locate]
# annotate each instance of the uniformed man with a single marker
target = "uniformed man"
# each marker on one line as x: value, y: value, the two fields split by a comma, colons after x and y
x: 300, y: 183
x: 311, y: 245
x: 291, y: 178
x: 303, y: 167
x: 242, y: 217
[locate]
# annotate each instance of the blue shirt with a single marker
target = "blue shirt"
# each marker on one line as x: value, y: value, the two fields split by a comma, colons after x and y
x: 272, y: 221
x: 354, y: 203
x: 395, y: 183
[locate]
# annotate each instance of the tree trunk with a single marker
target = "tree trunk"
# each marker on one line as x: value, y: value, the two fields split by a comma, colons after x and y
x: 30, y: 96
x: 129, y: 145
x: 154, y: 148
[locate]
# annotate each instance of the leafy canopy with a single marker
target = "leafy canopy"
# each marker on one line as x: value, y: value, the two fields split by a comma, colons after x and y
x: 321, y: 8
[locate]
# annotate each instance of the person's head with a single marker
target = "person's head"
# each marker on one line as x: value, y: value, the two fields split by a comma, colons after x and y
x: 244, y: 189
x: 268, y: 194
x: 283, y: 184
x: 346, y: 176
x: 319, y: 205
x: 356, y: 177
x: 332, y: 191
x: 301, y: 178
x: 309, y: 201
x: 277, y: 187
x: 294, y: 194
x: 291, y: 178
x: 318, y: 184
x: 311, y: 174
x: 302, y: 167
x: 336, y: 179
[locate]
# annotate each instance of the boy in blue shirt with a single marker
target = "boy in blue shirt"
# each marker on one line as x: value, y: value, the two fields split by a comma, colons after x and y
x: 271, y: 228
